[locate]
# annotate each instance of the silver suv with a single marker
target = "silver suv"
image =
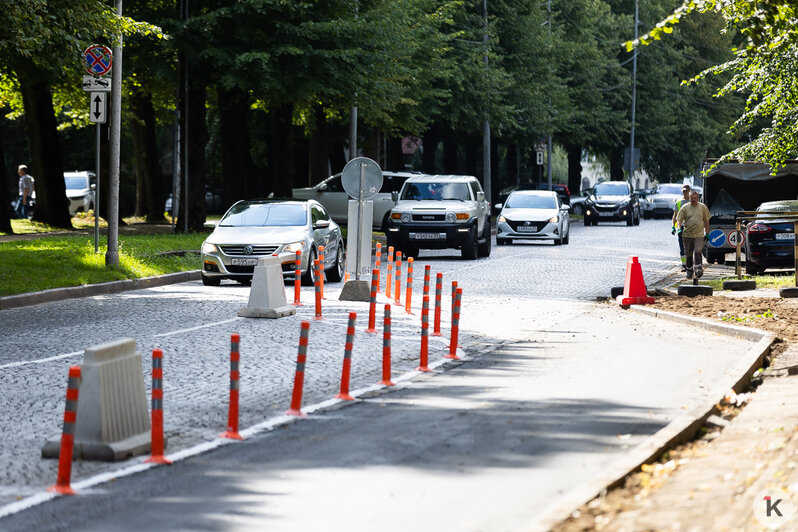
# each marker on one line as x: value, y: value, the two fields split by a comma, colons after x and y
x: 440, y: 212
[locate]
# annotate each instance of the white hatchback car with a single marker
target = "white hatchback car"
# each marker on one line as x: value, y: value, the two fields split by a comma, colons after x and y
x: 80, y: 191
x: 533, y: 215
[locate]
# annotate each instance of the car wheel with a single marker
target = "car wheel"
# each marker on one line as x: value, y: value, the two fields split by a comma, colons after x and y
x: 646, y: 215
x: 484, y: 249
x: 558, y: 241
x: 567, y: 237
x: 469, y: 248
x: 594, y: 222
x: 211, y: 281
x: 577, y: 209
x: 720, y: 258
x: 587, y: 221
x: 384, y: 226
x: 751, y: 268
x: 631, y: 219
x: 309, y: 277
x: 637, y: 219
x: 336, y: 273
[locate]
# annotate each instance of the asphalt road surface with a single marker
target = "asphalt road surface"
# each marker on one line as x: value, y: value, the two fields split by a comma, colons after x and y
x: 557, y: 386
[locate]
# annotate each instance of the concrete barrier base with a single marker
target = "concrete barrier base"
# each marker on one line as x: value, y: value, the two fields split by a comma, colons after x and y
x: 101, y: 451
x: 267, y: 294
x: 278, y: 312
x: 356, y: 291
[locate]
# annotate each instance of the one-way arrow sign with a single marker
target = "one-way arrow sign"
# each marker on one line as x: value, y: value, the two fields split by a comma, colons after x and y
x: 97, y: 107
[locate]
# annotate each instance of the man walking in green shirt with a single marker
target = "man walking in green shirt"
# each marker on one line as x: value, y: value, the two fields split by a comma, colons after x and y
x: 693, y: 220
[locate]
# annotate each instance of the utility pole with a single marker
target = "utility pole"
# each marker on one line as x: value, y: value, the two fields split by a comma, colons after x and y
x: 634, y: 104
x: 112, y: 252
x: 548, y: 138
x: 353, y: 114
x: 486, y: 124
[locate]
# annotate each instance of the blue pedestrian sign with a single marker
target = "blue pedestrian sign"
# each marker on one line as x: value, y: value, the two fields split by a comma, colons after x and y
x: 717, y: 238
x: 98, y: 59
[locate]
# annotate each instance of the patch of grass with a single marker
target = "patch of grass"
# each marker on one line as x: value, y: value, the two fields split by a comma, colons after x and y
x: 23, y: 226
x: 762, y: 281
x: 61, y: 261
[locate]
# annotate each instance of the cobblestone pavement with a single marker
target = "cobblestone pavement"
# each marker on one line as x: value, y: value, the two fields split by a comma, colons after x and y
x: 192, y: 324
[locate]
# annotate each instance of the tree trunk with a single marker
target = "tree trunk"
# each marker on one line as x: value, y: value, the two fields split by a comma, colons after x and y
x: 149, y: 196
x: 197, y: 138
x: 52, y: 206
x: 6, y: 212
x: 234, y: 137
x: 281, y: 161
x: 429, y: 145
x: 574, y: 167
x: 616, y: 164
x: 318, y: 152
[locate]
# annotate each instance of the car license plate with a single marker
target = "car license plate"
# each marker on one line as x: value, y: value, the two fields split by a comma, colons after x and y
x: 527, y: 229
x: 244, y: 262
x: 785, y: 236
x: 605, y: 213
x: 429, y: 236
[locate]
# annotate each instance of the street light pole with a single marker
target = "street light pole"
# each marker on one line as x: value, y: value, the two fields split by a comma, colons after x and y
x: 548, y: 138
x: 634, y: 104
x: 112, y: 252
x: 486, y: 180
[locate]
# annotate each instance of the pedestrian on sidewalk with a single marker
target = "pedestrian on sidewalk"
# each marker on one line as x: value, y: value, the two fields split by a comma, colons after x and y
x: 25, y: 191
x: 693, y: 220
x: 675, y: 228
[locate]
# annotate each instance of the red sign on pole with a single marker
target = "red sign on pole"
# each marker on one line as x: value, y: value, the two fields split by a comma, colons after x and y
x: 98, y: 59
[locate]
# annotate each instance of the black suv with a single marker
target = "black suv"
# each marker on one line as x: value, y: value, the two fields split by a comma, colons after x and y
x: 612, y: 201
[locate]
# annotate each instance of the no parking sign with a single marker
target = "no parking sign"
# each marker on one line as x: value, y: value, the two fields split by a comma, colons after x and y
x: 98, y: 59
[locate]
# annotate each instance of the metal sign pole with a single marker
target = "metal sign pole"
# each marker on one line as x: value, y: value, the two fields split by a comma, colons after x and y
x: 360, y: 219
x: 737, y: 268
x: 97, y: 195
x: 795, y: 249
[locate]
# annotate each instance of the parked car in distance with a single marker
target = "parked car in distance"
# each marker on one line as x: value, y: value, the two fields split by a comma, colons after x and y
x: 612, y: 201
x: 80, y: 189
x: 533, y: 215
x: 662, y: 201
x: 214, y: 203
x: 770, y: 241
x: 331, y: 194
x: 253, y: 229
x: 578, y: 202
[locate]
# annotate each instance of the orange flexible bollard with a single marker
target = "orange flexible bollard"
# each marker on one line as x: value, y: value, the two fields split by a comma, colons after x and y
x: 386, y: 347
x: 321, y: 261
x: 297, y: 277
x: 389, y: 273
x: 424, y: 336
x: 157, y: 456
x: 436, y: 329
x: 350, y: 336
x: 409, y: 289
x: 62, y: 483
x: 378, y: 263
x: 427, y: 269
x: 299, y: 376
x: 454, y: 294
x: 455, y: 327
x: 372, y: 328
x: 232, y: 412
x: 398, y: 273
x: 317, y: 285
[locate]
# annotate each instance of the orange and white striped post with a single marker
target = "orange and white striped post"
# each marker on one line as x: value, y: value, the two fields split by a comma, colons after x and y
x: 455, y: 326
x: 299, y: 377
x: 345, y: 371
x: 157, y: 456
x: 398, y: 285
x: 372, y: 328
x: 436, y: 329
x: 409, y: 286
x: 317, y: 285
x: 427, y: 269
x: 389, y: 273
x: 232, y: 412
x: 424, y: 336
x: 297, y: 277
x: 454, y: 294
x: 62, y: 483
x: 321, y: 261
x: 386, y: 347
x: 378, y: 263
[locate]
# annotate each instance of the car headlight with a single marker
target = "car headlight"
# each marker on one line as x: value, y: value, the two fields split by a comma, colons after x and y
x: 554, y: 219
x: 450, y: 217
x: 502, y: 219
x: 405, y: 217
x: 207, y: 247
x: 294, y: 247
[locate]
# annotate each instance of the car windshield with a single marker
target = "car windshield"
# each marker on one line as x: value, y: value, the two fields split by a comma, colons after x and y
x: 669, y: 189
x: 528, y: 201
x: 611, y: 189
x: 436, y: 191
x: 76, y: 182
x: 265, y: 214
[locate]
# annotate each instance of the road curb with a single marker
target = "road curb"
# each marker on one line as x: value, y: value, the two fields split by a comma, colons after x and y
x: 113, y: 287
x: 683, y: 428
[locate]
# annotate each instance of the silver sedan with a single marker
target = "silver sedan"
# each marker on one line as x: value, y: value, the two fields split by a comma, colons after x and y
x: 259, y: 228
x: 533, y: 215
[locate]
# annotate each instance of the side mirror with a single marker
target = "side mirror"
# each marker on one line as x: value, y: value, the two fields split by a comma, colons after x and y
x: 93, y: 186
x: 321, y: 224
x: 322, y: 187
x: 395, y: 196
x: 497, y: 206
x: 480, y: 196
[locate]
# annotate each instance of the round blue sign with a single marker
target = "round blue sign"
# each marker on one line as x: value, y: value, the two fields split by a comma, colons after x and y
x: 717, y: 238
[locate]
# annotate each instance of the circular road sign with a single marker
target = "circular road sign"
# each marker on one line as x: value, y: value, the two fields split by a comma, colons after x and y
x: 361, y: 173
x: 717, y: 238
x: 98, y: 59
x: 734, y: 235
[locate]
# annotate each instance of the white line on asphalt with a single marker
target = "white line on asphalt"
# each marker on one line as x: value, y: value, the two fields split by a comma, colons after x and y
x: 181, y: 331
x: 41, y: 360
x: 264, y: 426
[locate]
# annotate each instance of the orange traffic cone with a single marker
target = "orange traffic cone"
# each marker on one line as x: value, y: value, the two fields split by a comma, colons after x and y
x: 634, y: 289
